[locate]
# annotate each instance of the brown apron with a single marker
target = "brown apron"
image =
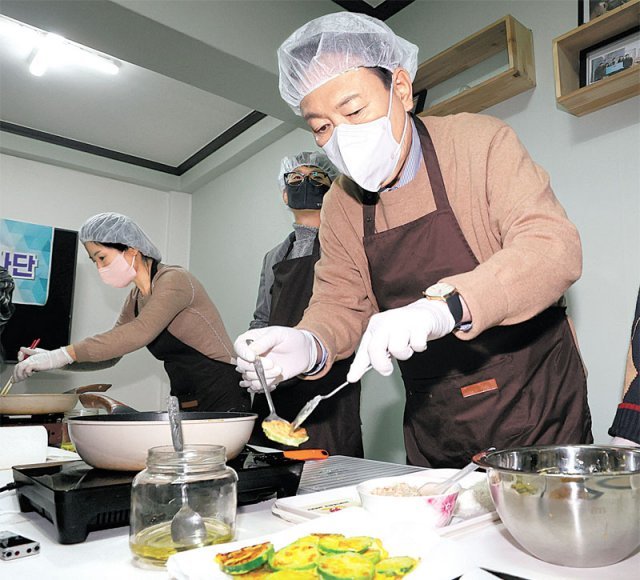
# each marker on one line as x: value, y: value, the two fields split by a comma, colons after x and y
x: 522, y: 384
x: 335, y: 424
x: 200, y: 383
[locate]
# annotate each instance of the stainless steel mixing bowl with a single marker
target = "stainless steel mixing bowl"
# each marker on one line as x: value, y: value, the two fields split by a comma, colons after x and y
x: 573, y: 505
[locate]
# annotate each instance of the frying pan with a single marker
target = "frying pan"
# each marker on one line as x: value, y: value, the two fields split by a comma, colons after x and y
x: 42, y: 404
x: 120, y: 440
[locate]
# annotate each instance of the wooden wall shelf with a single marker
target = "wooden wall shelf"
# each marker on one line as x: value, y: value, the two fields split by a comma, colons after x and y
x: 579, y: 100
x: 505, y: 34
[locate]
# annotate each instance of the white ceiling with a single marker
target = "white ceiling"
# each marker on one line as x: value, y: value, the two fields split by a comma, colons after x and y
x: 190, y: 70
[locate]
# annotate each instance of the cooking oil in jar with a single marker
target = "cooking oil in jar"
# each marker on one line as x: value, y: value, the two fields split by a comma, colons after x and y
x: 198, y: 477
x: 154, y: 544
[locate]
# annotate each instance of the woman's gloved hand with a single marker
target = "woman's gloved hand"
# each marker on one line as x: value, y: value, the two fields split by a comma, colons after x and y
x: 285, y: 353
x: 42, y: 360
x: 400, y: 332
x: 26, y: 352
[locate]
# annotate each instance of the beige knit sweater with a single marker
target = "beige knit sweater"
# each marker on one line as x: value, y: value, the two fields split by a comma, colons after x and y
x: 529, y: 253
x: 178, y: 303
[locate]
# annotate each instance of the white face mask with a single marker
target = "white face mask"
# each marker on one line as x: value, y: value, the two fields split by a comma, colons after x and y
x: 368, y: 152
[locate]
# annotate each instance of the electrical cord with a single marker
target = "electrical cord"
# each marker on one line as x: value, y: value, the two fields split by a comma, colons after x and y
x: 9, y: 486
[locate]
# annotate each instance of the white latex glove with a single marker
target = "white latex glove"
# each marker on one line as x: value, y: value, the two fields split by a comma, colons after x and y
x: 400, y: 332
x: 25, y: 352
x: 41, y: 361
x: 621, y: 441
x: 285, y: 353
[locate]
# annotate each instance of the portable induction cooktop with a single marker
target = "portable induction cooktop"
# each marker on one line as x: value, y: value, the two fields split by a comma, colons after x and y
x: 79, y: 499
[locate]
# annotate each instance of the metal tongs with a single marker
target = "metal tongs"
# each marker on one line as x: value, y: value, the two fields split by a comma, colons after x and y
x: 311, y: 405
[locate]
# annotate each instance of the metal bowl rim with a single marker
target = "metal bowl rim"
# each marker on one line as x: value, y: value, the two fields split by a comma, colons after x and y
x: 481, y: 460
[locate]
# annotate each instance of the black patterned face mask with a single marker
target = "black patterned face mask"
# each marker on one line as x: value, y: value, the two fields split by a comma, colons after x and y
x: 306, y: 195
x: 6, y: 291
x: 6, y: 306
x: 306, y: 191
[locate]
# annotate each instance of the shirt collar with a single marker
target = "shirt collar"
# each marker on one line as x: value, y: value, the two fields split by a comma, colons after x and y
x: 410, y: 169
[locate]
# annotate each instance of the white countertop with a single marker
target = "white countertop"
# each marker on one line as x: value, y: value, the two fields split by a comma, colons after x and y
x: 105, y: 554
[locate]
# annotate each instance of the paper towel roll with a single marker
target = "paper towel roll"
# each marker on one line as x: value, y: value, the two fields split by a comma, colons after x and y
x: 22, y: 444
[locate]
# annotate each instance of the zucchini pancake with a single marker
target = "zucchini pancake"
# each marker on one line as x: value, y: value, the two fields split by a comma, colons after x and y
x: 282, y: 432
x: 317, y: 557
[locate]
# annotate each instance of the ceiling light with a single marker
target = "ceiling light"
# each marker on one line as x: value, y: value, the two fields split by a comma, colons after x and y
x: 50, y: 50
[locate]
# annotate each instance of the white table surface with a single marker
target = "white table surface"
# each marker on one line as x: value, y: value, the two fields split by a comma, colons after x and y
x: 105, y: 554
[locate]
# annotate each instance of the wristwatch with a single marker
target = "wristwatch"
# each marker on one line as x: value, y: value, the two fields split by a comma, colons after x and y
x: 446, y: 293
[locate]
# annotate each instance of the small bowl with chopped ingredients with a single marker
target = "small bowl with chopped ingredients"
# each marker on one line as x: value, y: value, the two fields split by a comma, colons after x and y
x: 400, y: 498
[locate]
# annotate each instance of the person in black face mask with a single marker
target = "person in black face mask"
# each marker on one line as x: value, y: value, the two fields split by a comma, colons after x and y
x: 6, y: 305
x: 286, y: 285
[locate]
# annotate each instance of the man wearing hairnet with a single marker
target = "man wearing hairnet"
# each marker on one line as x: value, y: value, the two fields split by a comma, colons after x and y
x: 167, y: 310
x: 286, y: 284
x: 443, y: 246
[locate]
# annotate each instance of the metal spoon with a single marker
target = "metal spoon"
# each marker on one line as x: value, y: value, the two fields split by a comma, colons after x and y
x: 439, y: 487
x: 311, y: 405
x: 272, y: 416
x: 187, y: 526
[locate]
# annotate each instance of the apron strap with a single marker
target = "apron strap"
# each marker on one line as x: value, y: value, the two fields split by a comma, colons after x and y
x: 292, y: 239
x: 432, y: 164
x: 154, y: 271
x: 369, y: 216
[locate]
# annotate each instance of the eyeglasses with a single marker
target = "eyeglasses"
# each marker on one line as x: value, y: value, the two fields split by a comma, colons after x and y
x: 316, y: 177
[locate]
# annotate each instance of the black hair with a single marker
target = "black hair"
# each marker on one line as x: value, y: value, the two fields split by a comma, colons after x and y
x: 385, y: 75
x: 115, y: 246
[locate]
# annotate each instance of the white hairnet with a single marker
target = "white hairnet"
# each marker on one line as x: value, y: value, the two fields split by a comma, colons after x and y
x: 335, y: 43
x: 115, y: 228
x: 309, y: 158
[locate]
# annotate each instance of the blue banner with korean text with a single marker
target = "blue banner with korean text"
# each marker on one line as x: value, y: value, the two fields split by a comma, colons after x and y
x: 25, y: 251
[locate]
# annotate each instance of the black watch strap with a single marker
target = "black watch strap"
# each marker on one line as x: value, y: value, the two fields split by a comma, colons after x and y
x: 455, y: 306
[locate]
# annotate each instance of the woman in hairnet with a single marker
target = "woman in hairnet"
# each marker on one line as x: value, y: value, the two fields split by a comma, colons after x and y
x: 168, y: 311
x: 286, y: 284
x: 443, y: 246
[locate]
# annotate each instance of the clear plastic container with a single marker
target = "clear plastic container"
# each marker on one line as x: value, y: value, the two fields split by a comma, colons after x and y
x: 156, y: 497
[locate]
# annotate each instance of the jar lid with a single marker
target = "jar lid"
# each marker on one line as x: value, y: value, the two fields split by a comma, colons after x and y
x: 191, y: 458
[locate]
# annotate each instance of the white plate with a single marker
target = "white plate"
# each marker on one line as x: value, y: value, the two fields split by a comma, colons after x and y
x: 314, y: 505
x: 440, y: 558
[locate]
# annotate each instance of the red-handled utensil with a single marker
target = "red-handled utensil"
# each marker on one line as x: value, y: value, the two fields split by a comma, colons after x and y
x: 277, y: 457
x: 5, y: 390
x: 306, y: 454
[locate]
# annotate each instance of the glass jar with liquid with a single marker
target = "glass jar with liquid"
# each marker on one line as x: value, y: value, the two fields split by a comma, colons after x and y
x: 157, y: 495
x: 66, y: 442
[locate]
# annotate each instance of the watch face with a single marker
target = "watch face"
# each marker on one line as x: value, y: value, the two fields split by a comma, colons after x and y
x: 440, y: 289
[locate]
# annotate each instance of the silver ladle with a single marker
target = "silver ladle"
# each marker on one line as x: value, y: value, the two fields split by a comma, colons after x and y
x: 187, y: 526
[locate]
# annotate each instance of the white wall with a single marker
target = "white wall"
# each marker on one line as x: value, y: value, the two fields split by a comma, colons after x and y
x: 44, y: 194
x: 593, y: 162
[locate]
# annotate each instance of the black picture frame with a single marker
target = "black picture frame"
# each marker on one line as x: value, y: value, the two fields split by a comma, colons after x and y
x: 587, y: 8
x: 601, y: 48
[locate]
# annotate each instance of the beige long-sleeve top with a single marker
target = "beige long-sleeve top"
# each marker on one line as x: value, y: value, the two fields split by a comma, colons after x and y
x: 177, y: 303
x: 528, y: 251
